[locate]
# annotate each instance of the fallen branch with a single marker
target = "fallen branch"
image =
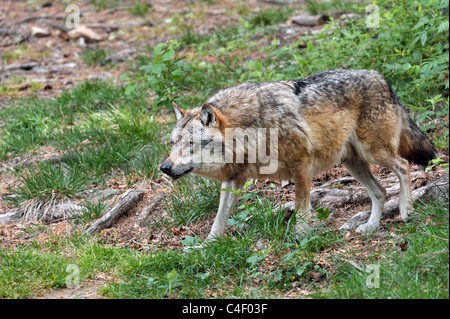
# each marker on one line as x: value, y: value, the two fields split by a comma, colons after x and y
x: 127, y: 202
x: 309, y: 20
x: 4, y: 31
x: 50, y: 211
x: 108, y: 27
x: 140, y: 221
x: 85, y: 32
x: 20, y: 36
x: 10, y: 217
x: 19, y: 66
x: 56, y: 25
x: 34, y: 18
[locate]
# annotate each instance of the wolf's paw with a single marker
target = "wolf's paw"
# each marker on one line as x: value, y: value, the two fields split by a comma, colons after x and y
x: 303, y: 229
x: 199, y: 246
x: 367, y: 228
x: 288, y: 207
x: 406, y: 215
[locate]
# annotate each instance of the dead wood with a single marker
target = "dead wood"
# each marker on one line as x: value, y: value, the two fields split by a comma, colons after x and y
x: 55, y: 25
x: 309, y: 20
x: 85, y: 32
x: 19, y: 66
x: 342, y: 180
x: 142, y: 218
x: 20, y: 87
x: 35, y: 18
x: 128, y: 201
x: 337, y: 198
x: 10, y: 217
x: 39, y: 32
x: 108, y: 27
x: 5, y: 31
x: 19, y: 37
x: 49, y: 211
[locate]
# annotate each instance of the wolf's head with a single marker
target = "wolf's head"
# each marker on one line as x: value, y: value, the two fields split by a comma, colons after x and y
x: 197, y: 142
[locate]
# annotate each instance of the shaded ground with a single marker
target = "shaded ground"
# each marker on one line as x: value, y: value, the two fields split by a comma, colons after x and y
x: 54, y: 62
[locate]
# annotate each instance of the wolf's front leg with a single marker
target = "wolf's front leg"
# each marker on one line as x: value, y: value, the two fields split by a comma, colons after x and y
x: 226, y: 205
x: 302, y: 182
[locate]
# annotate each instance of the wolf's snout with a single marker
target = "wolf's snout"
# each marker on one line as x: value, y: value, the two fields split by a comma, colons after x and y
x: 166, y: 168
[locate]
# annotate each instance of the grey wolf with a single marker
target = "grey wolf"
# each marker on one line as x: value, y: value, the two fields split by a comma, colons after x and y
x: 348, y: 117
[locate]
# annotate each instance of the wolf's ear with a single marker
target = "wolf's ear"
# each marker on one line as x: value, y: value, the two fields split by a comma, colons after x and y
x: 179, y: 112
x: 208, y: 116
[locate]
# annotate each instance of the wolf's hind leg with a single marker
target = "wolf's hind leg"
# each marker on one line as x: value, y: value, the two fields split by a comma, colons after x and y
x: 360, y: 170
x: 401, y: 168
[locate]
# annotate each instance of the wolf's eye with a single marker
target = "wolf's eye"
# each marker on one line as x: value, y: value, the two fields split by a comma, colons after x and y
x: 191, y: 143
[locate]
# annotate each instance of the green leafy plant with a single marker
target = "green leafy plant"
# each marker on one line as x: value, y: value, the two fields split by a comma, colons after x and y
x: 190, y: 241
x: 172, y: 278
x: 415, y: 63
x: 322, y: 213
x: 437, y: 162
x: 162, y: 73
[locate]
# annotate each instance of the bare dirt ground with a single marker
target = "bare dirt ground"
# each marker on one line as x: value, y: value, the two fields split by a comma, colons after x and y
x: 54, y: 61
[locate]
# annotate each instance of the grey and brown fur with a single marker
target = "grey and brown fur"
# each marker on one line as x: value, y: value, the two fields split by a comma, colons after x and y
x: 351, y: 117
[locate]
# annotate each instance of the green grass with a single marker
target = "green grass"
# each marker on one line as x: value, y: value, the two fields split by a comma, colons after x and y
x: 100, y: 132
x: 139, y: 9
x: 189, y: 203
x: 24, y: 272
x: 327, y: 6
x: 48, y: 181
x: 32, y: 123
x: 104, y: 4
x: 29, y: 270
x: 419, y: 272
x: 93, y: 56
x: 270, y: 16
x: 234, y: 266
x: 91, y: 211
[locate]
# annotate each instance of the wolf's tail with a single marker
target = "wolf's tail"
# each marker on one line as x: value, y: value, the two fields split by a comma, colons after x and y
x: 415, y: 146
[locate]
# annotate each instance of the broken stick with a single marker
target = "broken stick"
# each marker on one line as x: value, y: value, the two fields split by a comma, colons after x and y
x: 127, y: 202
x: 140, y: 221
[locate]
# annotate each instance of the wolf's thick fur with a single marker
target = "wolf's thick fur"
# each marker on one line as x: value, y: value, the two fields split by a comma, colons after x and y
x: 351, y: 117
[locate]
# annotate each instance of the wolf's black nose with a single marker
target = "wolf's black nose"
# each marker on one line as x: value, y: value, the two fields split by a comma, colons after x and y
x: 165, y: 168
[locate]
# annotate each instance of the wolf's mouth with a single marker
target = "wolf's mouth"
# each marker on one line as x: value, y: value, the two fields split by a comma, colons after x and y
x: 174, y: 177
